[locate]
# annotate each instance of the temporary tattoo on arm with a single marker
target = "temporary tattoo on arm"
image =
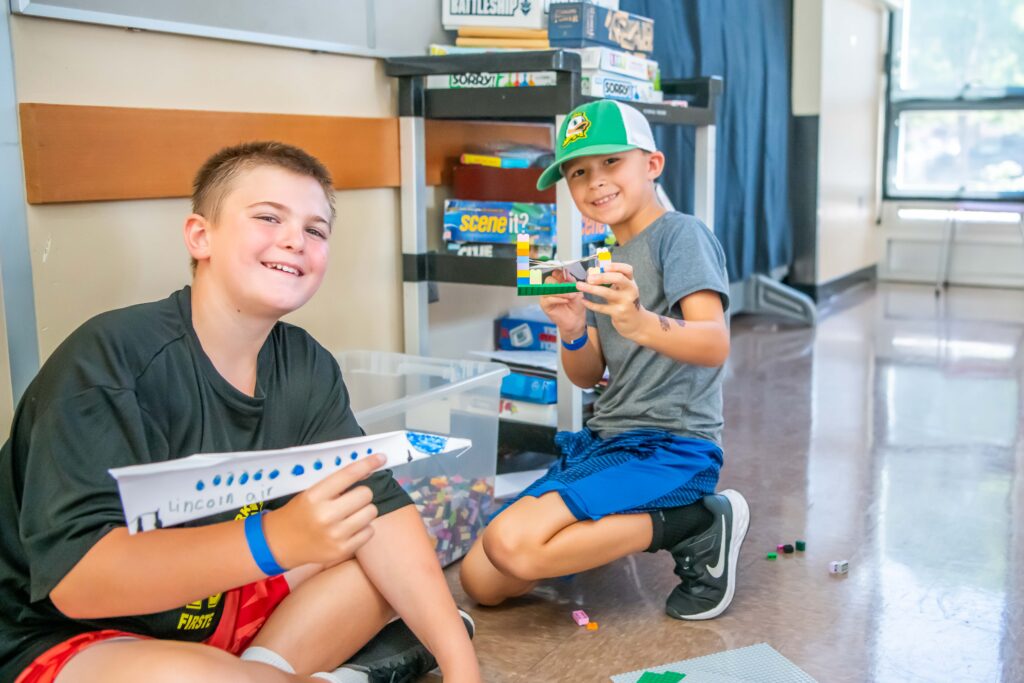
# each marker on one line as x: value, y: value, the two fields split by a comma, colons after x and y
x: 636, y: 302
x: 681, y: 323
x: 664, y: 322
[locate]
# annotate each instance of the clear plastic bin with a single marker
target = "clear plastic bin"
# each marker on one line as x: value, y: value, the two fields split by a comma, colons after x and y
x: 391, y: 391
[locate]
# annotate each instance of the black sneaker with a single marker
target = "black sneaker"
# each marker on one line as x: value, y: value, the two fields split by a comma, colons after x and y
x: 706, y: 563
x: 395, y: 655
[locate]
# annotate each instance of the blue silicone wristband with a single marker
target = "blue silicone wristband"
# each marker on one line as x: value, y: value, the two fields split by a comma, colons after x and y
x: 576, y: 343
x: 258, y: 546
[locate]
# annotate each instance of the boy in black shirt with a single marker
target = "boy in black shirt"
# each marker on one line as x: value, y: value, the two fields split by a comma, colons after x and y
x: 211, y: 369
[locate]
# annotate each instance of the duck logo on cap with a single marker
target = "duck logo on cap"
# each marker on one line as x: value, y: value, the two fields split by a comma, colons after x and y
x: 577, y: 129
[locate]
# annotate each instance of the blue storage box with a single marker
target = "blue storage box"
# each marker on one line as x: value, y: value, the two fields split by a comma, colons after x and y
x: 529, y: 388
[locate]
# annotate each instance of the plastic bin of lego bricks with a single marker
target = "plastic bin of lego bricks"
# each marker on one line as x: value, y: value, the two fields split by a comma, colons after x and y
x: 454, y: 493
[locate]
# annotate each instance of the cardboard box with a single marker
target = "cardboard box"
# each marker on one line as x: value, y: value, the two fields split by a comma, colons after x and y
x: 499, y: 222
x: 503, y: 13
x: 581, y: 24
x: 531, y: 413
x: 519, y: 334
x: 499, y: 184
x: 493, y: 222
x: 516, y: 79
x: 613, y: 86
x: 610, y: 4
x: 497, y: 250
x: 618, y: 62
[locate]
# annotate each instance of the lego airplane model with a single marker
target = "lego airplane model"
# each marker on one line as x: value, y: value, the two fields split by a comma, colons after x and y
x: 530, y: 272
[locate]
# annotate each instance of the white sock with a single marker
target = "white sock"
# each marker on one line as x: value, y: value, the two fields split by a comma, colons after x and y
x: 267, y: 656
x: 343, y: 675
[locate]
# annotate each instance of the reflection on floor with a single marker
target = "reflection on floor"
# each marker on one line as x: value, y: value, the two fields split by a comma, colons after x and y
x: 890, y: 437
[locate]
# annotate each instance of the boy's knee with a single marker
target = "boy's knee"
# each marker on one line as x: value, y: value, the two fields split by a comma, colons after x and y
x: 478, y: 589
x: 476, y: 575
x: 512, y: 551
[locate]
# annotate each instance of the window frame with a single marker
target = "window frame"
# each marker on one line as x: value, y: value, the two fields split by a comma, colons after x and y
x: 987, y: 99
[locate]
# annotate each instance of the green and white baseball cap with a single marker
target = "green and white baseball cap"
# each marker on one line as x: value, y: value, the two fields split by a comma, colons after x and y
x: 602, y: 127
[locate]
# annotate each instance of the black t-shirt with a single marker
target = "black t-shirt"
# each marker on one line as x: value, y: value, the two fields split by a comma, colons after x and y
x: 128, y: 387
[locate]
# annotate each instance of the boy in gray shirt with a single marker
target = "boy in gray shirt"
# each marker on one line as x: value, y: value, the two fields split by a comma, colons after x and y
x: 642, y: 475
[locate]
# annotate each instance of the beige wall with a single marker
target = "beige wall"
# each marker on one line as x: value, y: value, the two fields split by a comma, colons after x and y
x: 91, y: 257
x: 852, y: 56
x: 838, y: 51
x: 806, y: 81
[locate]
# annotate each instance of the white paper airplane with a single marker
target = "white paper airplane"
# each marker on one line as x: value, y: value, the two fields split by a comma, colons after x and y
x: 169, y: 493
x: 574, y: 267
x: 554, y: 264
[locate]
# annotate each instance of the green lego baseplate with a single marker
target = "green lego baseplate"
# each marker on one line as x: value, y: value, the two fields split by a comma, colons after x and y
x: 550, y: 288
x: 760, y: 663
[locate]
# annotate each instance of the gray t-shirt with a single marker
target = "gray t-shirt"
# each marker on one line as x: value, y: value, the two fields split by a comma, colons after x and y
x: 675, y: 256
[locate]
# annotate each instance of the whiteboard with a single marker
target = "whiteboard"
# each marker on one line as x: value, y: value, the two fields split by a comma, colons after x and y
x: 373, y: 28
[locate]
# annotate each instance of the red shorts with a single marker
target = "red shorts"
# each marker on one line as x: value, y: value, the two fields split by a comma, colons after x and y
x: 245, y: 611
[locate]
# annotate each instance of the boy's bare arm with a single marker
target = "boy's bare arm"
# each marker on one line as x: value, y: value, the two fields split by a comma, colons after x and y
x: 585, y: 366
x: 701, y: 338
x: 159, y: 570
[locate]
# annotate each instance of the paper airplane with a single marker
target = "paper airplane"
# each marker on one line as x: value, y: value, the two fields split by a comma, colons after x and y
x: 169, y: 493
x: 574, y: 267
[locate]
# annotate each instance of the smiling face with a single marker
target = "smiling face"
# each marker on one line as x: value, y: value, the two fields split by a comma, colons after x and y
x: 266, y: 250
x: 614, y: 188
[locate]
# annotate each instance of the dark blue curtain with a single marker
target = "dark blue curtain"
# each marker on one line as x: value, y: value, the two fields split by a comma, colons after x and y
x: 747, y: 42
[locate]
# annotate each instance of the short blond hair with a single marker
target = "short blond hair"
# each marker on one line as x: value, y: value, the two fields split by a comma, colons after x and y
x: 213, y: 180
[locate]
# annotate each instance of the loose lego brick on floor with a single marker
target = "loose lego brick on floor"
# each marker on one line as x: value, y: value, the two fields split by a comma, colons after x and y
x: 801, y: 546
x: 580, y: 617
x: 772, y: 556
x: 592, y: 626
x: 838, y: 567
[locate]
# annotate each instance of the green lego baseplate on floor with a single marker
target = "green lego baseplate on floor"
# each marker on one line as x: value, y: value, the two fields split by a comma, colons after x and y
x: 758, y: 663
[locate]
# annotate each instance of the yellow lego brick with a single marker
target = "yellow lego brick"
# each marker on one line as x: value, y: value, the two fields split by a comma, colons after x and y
x: 524, y: 273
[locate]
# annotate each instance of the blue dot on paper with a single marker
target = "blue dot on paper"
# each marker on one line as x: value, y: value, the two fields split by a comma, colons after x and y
x: 318, y: 465
x: 244, y: 478
x: 369, y: 451
x: 337, y: 460
x: 216, y: 480
x: 273, y: 474
x: 258, y: 475
x: 297, y: 470
x: 230, y: 481
x: 354, y: 455
x: 200, y: 485
x: 427, y: 443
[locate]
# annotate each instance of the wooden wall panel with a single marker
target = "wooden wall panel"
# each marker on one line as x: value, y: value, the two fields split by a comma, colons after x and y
x: 75, y: 153
x: 82, y: 153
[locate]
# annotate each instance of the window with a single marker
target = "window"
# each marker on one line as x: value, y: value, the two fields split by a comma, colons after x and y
x: 956, y: 100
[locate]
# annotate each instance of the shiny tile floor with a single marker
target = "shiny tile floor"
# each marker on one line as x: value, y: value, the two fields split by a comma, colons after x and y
x: 890, y: 437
